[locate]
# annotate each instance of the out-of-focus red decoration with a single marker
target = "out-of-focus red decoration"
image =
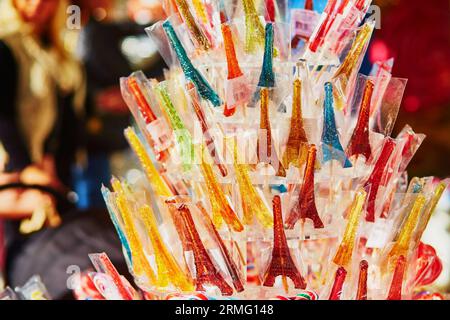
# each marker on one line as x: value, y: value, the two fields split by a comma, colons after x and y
x: 281, y: 263
x: 305, y: 207
x: 378, y: 51
x: 395, y: 291
x: 339, y: 280
x: 428, y: 267
x: 417, y: 35
x: 412, y: 103
x: 374, y: 181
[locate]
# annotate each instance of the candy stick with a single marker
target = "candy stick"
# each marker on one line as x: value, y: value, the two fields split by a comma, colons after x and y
x: 309, y: 5
x: 359, y: 142
x: 153, y: 176
x: 178, y: 223
x: 110, y: 206
x: 344, y: 253
x: 206, y: 272
x: 353, y: 60
x: 219, y: 203
x: 265, y: 145
x: 267, y: 77
x: 339, y: 280
x: 362, y: 281
x: 281, y: 262
x: 141, y: 100
x: 387, y: 205
x: 103, y: 264
x: 140, y: 262
x: 270, y: 10
x: 182, y: 135
x: 155, y: 129
x: 305, y: 206
x: 429, y: 209
x: 200, y: 10
x: 401, y: 246
x: 230, y: 264
x: 318, y: 37
x: 237, y: 90
x: 197, y: 33
x: 395, y: 290
x: 222, y: 11
x: 169, y: 270
x: 252, y: 204
x: 233, y: 68
x: 254, y: 30
x: 297, y: 144
x: 331, y: 146
x: 374, y: 180
x: 209, y: 139
x: 190, y: 72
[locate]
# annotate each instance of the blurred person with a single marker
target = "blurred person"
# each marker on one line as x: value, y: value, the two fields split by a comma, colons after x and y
x: 42, y: 91
x: 102, y: 48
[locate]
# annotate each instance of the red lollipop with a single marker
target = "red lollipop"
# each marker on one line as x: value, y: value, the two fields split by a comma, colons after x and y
x: 428, y: 267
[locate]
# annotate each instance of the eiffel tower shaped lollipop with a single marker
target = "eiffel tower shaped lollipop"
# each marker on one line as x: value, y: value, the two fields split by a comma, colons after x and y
x: 331, y: 145
x: 305, y: 207
x: 206, y: 272
x: 281, y: 262
x: 191, y: 73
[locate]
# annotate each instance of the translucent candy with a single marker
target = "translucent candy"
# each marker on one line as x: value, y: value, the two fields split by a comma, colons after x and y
x: 353, y: 61
x: 182, y: 135
x: 344, y: 253
x: 190, y: 72
x: 297, y: 144
x: 209, y: 138
x: 267, y: 77
x: 140, y: 262
x: 362, y: 281
x: 281, y: 262
x: 338, y: 283
x: 206, y: 272
x: 331, y: 145
x: 395, y: 290
x: 254, y: 30
x: 234, y: 70
x: 252, y: 204
x: 230, y: 264
x: 158, y: 184
x: 196, y: 32
x: 359, y: 142
x: 374, y: 180
x: 402, y: 245
x: 219, y: 203
x: 169, y: 272
x: 305, y: 205
x: 266, y: 148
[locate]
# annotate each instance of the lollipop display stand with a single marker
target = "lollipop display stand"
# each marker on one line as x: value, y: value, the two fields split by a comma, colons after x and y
x: 268, y: 170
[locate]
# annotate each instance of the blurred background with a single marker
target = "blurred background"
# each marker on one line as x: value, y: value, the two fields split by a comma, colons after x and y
x: 77, y: 73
